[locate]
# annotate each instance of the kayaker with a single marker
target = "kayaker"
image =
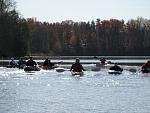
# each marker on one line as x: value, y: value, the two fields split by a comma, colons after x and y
x: 13, y: 63
x: 21, y: 63
x: 48, y: 63
x: 146, y: 67
x: 77, y: 67
x: 31, y: 62
x: 103, y: 61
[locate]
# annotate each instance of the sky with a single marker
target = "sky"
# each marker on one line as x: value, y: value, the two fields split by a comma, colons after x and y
x: 83, y: 10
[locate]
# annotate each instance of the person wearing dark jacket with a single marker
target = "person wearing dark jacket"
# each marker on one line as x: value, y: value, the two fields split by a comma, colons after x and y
x: 77, y: 67
x: 21, y: 63
x: 31, y: 62
x: 47, y: 64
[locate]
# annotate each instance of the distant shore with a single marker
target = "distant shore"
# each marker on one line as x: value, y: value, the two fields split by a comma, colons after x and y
x: 81, y: 57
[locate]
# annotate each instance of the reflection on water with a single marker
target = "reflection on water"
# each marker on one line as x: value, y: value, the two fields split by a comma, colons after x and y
x: 52, y: 92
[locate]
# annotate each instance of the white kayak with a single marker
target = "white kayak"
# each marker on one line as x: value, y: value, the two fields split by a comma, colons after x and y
x: 114, y: 72
x: 76, y: 73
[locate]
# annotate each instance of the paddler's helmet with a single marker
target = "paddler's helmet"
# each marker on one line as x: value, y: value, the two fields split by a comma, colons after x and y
x: 77, y: 60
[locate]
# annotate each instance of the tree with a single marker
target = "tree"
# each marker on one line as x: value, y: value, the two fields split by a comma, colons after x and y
x: 14, y: 31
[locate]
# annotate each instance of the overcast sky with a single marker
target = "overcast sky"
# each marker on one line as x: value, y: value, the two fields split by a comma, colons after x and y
x: 83, y: 10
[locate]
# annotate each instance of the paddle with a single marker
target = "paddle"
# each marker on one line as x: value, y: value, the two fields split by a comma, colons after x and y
x: 132, y: 70
x: 60, y: 70
x: 59, y: 62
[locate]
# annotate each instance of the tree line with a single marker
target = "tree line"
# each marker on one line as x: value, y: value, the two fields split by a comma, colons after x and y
x: 20, y: 37
x: 14, y: 32
x: 100, y: 37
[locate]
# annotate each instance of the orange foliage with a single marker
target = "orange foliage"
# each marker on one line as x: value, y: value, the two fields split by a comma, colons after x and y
x: 72, y: 40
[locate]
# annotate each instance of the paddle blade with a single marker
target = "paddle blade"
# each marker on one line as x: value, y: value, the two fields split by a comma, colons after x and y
x: 133, y: 70
x: 60, y: 70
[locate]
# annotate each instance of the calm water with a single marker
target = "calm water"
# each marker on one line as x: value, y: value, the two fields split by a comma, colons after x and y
x: 52, y: 92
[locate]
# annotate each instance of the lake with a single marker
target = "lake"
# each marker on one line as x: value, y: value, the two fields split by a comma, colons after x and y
x: 48, y: 91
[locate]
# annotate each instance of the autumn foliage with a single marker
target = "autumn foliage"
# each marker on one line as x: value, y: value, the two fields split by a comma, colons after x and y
x: 106, y: 37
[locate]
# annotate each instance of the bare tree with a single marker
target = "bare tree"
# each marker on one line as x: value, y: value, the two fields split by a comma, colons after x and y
x: 7, y: 5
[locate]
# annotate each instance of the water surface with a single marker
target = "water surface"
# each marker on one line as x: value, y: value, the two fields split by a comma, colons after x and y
x: 52, y: 92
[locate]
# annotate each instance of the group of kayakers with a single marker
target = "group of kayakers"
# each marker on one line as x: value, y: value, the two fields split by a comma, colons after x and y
x: 145, y: 68
x: 76, y: 67
x: 47, y: 64
x: 21, y: 63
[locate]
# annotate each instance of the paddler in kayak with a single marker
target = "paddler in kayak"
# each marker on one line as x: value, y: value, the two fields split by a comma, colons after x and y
x: 103, y: 61
x: 12, y: 63
x: 31, y: 62
x: 47, y: 64
x: 31, y: 66
x: 146, y: 67
x: 21, y: 63
x: 77, y: 67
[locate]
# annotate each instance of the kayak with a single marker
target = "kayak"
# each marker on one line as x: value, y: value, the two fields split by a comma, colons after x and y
x: 114, y: 72
x: 77, y: 73
x: 11, y: 66
x: 145, y: 70
x: 32, y: 68
x: 16, y: 66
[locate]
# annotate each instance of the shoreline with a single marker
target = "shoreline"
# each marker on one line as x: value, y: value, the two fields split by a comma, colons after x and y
x: 81, y: 57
